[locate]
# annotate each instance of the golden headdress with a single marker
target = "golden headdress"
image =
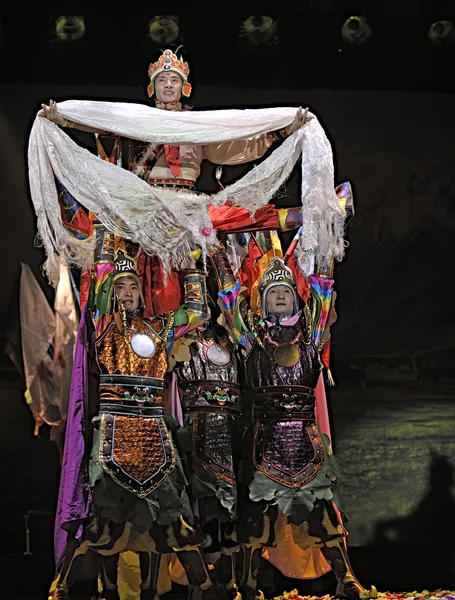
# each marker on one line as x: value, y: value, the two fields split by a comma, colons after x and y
x: 169, y: 61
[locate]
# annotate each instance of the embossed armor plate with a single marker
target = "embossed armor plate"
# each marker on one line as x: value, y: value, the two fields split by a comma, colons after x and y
x: 136, y: 451
x: 213, y: 444
x: 289, y: 452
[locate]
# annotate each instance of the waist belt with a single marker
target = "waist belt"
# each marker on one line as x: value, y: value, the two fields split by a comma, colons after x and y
x: 302, y: 415
x: 179, y: 183
x: 125, y: 409
x: 284, y: 403
x: 212, y: 408
x: 210, y: 384
x: 219, y: 395
x: 277, y: 390
x: 132, y: 381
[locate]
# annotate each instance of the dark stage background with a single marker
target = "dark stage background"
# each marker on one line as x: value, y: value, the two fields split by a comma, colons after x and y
x: 392, y: 410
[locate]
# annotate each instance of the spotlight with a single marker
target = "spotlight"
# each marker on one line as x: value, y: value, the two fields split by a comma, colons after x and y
x: 259, y: 31
x: 442, y: 33
x: 356, y: 30
x: 69, y: 28
x: 164, y: 29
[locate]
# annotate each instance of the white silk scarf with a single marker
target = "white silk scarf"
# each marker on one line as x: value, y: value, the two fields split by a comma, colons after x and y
x: 168, y: 222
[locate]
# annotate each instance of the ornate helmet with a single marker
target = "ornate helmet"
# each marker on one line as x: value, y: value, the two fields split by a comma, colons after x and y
x: 125, y: 266
x: 168, y: 61
x: 277, y: 273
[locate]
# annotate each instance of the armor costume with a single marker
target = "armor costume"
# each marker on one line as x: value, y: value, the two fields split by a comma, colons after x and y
x: 289, y: 474
x: 212, y: 418
x: 137, y: 483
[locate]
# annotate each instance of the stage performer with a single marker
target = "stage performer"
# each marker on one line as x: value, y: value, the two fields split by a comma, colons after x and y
x: 289, y: 474
x: 179, y: 166
x: 211, y: 406
x: 129, y: 492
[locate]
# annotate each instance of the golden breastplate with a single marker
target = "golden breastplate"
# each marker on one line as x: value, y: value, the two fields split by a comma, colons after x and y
x: 133, y: 364
x: 136, y: 448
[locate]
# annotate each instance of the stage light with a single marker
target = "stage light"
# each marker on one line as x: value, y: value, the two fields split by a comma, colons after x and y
x: 69, y: 28
x: 356, y: 30
x: 442, y: 33
x: 259, y: 31
x: 164, y: 29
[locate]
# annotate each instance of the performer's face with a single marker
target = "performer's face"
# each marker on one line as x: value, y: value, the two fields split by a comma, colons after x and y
x: 280, y: 299
x: 168, y: 87
x: 127, y: 290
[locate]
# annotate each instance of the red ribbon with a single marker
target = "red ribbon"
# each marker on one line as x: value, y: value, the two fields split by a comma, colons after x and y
x: 173, y: 158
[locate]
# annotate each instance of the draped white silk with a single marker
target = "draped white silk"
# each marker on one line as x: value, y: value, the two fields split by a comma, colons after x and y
x: 169, y: 222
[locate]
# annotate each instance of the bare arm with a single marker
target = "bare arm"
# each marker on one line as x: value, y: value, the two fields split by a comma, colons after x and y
x: 50, y: 112
x: 243, y: 151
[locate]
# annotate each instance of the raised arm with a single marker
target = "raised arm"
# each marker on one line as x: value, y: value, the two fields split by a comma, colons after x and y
x: 100, y: 301
x: 239, y: 151
x: 51, y: 112
x: 242, y: 151
x: 195, y: 308
x: 235, y: 308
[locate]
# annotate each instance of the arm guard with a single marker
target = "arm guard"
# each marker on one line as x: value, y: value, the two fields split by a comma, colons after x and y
x: 195, y: 297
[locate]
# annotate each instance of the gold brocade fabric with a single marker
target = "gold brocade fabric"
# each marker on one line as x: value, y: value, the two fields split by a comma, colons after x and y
x: 138, y: 447
x: 116, y: 356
